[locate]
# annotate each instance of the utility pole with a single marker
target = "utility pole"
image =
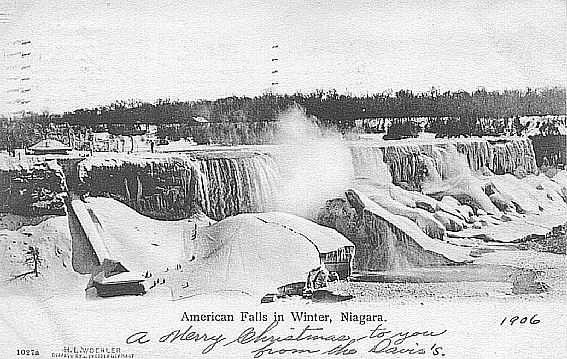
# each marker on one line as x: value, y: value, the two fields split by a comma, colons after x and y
x: 5, y: 18
x: 274, y: 85
x: 18, y: 69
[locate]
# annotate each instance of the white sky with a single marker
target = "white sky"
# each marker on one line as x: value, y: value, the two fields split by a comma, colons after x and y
x: 86, y: 53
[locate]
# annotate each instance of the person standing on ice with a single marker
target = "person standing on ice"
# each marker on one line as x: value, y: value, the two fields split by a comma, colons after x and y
x: 189, y: 237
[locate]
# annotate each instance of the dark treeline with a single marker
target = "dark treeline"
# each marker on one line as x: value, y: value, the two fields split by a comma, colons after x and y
x: 332, y: 106
x: 448, y: 113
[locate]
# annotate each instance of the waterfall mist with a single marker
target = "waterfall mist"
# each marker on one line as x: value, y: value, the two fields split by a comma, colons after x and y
x: 315, y: 164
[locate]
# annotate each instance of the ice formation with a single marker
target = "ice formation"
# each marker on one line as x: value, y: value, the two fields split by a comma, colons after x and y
x: 425, y: 196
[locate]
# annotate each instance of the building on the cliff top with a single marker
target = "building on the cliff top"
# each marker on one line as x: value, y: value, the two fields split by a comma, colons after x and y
x: 49, y: 147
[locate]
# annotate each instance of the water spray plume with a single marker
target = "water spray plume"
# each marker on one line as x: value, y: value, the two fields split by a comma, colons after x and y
x: 315, y: 165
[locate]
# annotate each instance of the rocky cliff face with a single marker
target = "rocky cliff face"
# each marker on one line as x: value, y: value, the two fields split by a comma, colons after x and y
x: 31, y: 187
x: 175, y: 187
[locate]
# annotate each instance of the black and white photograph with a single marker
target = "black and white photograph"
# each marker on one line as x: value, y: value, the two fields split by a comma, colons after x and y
x: 283, y: 179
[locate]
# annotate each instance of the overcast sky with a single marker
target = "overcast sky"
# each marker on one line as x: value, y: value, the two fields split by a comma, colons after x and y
x: 92, y: 52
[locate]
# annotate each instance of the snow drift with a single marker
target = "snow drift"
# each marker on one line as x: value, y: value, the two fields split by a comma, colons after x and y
x: 254, y: 254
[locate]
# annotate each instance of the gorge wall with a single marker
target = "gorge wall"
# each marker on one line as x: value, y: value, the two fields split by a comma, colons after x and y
x: 32, y: 186
x: 175, y: 187
x: 228, y: 182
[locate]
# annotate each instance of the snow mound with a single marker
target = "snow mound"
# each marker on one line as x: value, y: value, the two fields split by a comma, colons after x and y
x: 139, y: 243
x: 254, y: 254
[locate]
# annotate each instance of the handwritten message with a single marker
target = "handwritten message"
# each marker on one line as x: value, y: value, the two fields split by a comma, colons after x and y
x: 300, y: 333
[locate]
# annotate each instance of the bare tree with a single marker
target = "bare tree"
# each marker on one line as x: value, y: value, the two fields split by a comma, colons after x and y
x: 33, y: 260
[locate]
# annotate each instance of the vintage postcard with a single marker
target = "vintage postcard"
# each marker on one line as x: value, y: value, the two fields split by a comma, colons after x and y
x: 283, y: 179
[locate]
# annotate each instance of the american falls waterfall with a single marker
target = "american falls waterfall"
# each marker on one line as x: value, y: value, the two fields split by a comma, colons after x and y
x: 174, y: 187
x: 225, y: 183
x: 229, y: 186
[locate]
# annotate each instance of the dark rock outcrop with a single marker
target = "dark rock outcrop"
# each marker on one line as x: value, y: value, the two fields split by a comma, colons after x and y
x: 31, y: 187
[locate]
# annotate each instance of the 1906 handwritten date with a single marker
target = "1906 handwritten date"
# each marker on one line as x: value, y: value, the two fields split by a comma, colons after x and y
x: 520, y: 320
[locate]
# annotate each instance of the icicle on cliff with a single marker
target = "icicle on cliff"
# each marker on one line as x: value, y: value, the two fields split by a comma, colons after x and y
x: 175, y: 187
x: 408, y: 161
